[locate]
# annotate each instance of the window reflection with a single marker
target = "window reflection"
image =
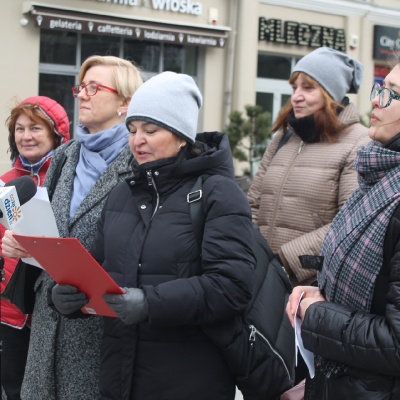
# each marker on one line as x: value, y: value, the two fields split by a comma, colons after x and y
x: 99, y: 45
x: 145, y: 55
x: 265, y: 100
x: 58, y: 47
x: 180, y: 59
x: 58, y: 87
x: 273, y: 67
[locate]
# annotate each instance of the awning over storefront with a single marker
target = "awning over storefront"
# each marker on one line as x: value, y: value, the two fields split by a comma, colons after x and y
x: 54, y: 18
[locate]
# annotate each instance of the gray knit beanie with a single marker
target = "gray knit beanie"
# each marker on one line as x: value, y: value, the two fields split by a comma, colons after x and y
x: 169, y: 100
x: 335, y: 71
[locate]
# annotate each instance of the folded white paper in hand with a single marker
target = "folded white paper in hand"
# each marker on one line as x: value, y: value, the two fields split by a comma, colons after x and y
x: 307, y: 355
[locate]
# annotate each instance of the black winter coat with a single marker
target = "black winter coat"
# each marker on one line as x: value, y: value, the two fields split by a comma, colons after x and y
x: 368, y: 343
x: 146, y: 240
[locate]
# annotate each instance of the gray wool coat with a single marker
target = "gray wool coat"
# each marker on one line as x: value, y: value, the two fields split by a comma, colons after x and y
x: 63, y: 358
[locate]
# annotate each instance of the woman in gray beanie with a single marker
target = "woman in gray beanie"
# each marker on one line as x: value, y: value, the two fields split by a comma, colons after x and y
x: 301, y: 185
x: 156, y: 348
x: 307, y: 171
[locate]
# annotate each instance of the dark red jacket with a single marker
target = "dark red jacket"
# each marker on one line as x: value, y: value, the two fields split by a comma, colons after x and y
x: 10, y: 314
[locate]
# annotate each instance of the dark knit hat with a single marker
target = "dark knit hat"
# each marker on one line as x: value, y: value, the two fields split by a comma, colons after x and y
x: 335, y: 71
x: 169, y: 100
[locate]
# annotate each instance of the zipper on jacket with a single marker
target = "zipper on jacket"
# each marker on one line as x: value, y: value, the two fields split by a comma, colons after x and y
x: 37, y: 176
x: 150, y: 180
x: 151, y: 183
x: 252, y: 339
x: 300, y: 147
x: 31, y: 174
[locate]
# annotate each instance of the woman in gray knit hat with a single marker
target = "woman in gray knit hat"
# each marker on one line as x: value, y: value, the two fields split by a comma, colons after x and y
x: 301, y: 185
x: 157, y: 348
x: 307, y: 171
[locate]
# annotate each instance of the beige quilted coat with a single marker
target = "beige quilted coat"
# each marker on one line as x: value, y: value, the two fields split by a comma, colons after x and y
x: 296, y: 193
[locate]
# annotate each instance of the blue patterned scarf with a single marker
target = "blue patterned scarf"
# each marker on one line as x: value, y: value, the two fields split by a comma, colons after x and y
x: 97, y: 152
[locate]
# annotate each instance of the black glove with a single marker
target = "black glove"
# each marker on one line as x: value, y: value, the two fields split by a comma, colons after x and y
x: 68, y: 299
x: 131, y: 307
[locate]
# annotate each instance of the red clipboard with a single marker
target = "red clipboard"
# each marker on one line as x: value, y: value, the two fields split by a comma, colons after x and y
x: 68, y: 262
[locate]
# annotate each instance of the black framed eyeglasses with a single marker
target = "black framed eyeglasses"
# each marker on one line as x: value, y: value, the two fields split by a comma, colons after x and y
x: 386, y: 95
x: 90, y: 89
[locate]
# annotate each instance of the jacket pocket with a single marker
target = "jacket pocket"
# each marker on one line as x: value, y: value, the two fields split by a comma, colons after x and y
x: 359, y: 384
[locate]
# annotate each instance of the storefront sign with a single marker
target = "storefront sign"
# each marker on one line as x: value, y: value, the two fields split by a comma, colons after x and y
x: 179, y: 6
x: 131, y: 29
x: 380, y: 73
x: 301, y: 34
x: 386, y: 41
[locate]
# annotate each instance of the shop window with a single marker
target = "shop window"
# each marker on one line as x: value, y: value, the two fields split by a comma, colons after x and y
x: 145, y: 55
x: 272, y: 83
x: 157, y: 57
x: 173, y: 58
x: 190, y: 60
x: 180, y: 59
x: 58, y: 87
x: 58, y: 47
x: 99, y: 45
x: 273, y: 67
x: 265, y: 100
x: 284, y: 99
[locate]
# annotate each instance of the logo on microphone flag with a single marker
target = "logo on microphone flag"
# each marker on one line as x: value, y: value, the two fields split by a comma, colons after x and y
x: 10, y: 207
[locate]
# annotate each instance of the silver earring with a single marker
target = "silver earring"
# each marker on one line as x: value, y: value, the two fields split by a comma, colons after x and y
x: 119, y: 113
x: 180, y: 146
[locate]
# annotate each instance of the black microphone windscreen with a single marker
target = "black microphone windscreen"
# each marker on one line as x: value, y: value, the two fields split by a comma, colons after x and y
x: 25, y: 187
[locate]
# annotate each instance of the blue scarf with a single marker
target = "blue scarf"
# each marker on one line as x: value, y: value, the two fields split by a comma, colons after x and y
x: 97, y: 152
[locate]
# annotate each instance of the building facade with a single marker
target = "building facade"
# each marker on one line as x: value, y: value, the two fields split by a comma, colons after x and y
x: 239, y: 51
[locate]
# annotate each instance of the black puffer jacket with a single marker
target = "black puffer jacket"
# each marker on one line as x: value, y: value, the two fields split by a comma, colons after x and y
x: 369, y: 344
x: 146, y: 240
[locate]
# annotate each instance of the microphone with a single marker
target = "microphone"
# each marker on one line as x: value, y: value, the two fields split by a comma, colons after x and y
x: 13, y: 195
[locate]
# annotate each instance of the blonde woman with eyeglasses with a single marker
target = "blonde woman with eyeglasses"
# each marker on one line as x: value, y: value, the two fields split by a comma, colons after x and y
x: 63, y: 358
x: 351, y: 321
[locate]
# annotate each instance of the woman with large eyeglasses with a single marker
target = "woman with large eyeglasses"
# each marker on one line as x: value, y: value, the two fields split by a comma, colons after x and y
x: 63, y: 359
x: 386, y: 95
x: 351, y: 321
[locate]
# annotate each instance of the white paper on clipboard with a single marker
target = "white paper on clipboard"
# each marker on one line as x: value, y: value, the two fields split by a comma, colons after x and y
x: 38, y: 220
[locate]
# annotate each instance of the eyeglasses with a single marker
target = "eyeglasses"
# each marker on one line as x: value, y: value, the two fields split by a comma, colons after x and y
x: 90, y: 89
x: 386, y: 95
